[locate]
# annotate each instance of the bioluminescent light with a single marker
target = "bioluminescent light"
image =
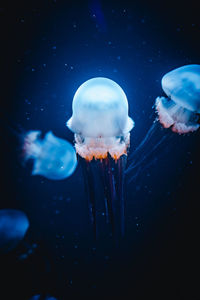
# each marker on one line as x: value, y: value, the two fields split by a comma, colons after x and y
x: 101, y: 128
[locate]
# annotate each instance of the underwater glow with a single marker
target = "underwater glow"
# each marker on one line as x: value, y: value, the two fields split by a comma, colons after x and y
x: 181, y: 110
x: 100, y: 119
x: 13, y: 227
x: 54, y: 158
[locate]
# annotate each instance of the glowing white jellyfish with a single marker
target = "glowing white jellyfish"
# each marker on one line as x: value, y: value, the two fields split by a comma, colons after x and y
x: 180, y: 112
x: 13, y: 227
x: 100, y: 119
x: 54, y: 158
x: 181, y: 109
x: 102, y: 128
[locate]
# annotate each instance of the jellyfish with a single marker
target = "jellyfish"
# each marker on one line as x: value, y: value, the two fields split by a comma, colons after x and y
x: 181, y: 109
x: 13, y: 227
x: 179, y: 112
x: 54, y: 158
x: 101, y: 128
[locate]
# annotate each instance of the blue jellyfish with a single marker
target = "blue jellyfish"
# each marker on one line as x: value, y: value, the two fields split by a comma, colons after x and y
x: 54, y: 158
x: 101, y: 127
x: 13, y: 227
x: 179, y: 111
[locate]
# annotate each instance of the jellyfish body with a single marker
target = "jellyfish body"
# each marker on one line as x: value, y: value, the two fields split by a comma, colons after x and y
x: 54, y: 158
x: 13, y: 227
x: 102, y: 128
x: 100, y: 119
x: 181, y: 109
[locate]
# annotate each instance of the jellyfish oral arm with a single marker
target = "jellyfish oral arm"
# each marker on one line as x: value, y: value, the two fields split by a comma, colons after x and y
x: 99, y: 148
x: 180, y: 119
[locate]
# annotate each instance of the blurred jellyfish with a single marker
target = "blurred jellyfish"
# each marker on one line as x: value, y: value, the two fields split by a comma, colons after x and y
x: 180, y: 112
x: 13, y: 227
x: 102, y: 128
x: 54, y: 158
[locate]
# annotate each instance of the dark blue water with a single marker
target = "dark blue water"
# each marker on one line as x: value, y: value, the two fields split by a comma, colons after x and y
x: 48, y: 49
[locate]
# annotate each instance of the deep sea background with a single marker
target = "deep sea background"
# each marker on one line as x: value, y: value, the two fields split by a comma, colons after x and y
x: 49, y: 48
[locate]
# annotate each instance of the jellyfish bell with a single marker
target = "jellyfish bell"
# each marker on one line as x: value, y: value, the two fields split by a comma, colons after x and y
x: 100, y: 119
x: 181, y: 109
x: 13, y: 227
x: 102, y: 128
x: 54, y: 158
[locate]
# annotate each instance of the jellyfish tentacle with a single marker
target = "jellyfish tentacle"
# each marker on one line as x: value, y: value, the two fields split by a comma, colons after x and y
x: 116, y: 183
x: 110, y: 193
x: 156, y: 142
x: 145, y: 140
x: 144, y: 164
x: 90, y: 190
x: 156, y: 134
x: 146, y: 144
x: 121, y: 168
x: 105, y: 187
x: 145, y: 156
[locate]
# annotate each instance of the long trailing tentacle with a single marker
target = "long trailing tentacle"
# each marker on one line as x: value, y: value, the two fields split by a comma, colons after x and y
x: 121, y: 164
x: 107, y: 202
x: 146, y: 155
x: 116, y: 195
x: 109, y: 178
x: 90, y: 190
x: 150, y: 157
x: 109, y: 190
x: 153, y: 139
x: 145, y: 139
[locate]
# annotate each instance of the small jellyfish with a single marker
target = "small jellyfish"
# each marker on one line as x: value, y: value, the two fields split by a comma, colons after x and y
x: 181, y: 109
x: 179, y: 112
x: 54, y: 158
x: 102, y: 128
x: 13, y: 227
